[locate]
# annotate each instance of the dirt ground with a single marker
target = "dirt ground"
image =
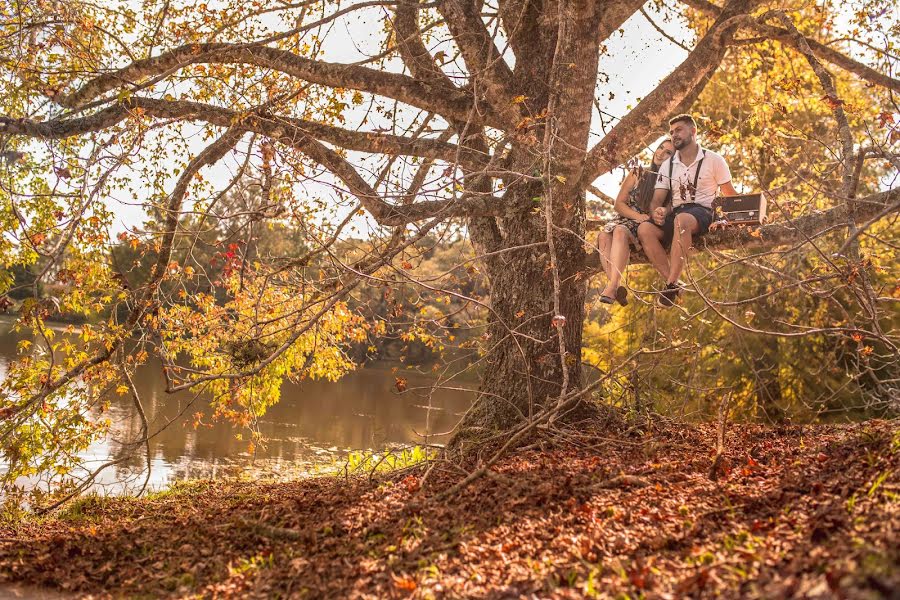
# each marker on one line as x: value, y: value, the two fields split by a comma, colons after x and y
x: 797, y: 512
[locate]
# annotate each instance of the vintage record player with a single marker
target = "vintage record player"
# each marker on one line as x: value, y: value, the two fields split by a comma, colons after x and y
x: 743, y: 209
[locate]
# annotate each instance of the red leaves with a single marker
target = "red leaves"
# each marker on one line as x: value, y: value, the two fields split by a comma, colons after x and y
x: 833, y: 102
x: 687, y: 538
x: 693, y: 584
x: 400, y: 383
x: 268, y: 154
x: 404, y: 583
x: 751, y: 467
x: 639, y: 576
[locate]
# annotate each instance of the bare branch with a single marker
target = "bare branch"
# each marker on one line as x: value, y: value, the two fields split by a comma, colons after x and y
x: 412, y: 50
x: 285, y: 129
x: 426, y: 95
x: 488, y: 70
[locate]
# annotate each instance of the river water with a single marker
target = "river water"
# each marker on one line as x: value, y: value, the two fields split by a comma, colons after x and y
x: 315, y: 423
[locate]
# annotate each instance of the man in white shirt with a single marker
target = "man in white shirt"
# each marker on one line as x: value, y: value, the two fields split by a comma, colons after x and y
x: 682, y: 204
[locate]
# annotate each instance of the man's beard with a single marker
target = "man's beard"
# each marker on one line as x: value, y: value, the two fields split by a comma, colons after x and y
x: 682, y: 143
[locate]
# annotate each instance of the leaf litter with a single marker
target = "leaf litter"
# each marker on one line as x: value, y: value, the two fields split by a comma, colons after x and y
x: 796, y: 512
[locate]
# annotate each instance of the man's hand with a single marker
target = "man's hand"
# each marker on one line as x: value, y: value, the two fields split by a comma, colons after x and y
x: 659, y: 215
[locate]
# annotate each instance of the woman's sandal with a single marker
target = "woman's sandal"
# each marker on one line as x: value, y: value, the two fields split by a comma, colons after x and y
x: 621, y: 297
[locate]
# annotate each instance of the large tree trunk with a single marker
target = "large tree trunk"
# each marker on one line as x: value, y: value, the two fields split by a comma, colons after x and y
x: 524, y: 371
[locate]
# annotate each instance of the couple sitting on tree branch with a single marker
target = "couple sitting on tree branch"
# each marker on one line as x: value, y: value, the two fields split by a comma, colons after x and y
x: 665, y: 206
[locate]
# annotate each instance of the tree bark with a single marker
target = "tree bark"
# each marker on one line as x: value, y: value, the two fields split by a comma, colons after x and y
x: 523, y: 370
x: 538, y: 283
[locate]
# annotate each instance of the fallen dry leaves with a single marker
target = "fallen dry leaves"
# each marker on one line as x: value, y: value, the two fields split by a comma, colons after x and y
x: 806, y: 512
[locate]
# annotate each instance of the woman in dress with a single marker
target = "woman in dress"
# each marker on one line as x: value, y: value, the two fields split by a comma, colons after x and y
x: 632, y: 206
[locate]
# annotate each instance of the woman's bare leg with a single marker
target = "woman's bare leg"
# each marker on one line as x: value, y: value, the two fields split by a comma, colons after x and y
x: 604, y: 241
x: 619, y: 254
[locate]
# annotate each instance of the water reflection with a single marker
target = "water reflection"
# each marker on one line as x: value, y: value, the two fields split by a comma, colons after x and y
x: 314, y: 422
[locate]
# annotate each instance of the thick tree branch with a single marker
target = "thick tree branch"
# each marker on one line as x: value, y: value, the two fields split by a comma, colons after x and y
x: 57, y: 129
x: 521, y: 22
x: 305, y: 136
x: 614, y: 14
x: 819, y: 49
x: 383, y: 212
x: 829, y: 54
x: 488, y: 71
x: 704, y: 6
x: 412, y: 50
x: 448, y: 102
x: 808, y: 226
x: 277, y: 127
x: 880, y: 205
x: 679, y: 87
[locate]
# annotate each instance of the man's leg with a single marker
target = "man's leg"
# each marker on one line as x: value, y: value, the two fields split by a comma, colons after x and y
x: 685, y: 227
x: 651, y: 237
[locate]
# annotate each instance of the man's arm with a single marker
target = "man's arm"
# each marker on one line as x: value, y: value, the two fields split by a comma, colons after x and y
x: 727, y: 189
x: 723, y: 178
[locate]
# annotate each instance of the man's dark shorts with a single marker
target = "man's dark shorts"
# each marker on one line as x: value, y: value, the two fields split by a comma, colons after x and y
x: 703, y: 215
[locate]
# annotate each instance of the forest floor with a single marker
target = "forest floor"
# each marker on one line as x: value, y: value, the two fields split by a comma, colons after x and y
x: 798, y: 512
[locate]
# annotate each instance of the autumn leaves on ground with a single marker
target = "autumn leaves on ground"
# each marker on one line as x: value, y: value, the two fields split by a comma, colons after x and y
x: 805, y: 512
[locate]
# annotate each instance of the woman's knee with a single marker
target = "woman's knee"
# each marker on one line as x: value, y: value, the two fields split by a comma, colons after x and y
x: 620, y: 234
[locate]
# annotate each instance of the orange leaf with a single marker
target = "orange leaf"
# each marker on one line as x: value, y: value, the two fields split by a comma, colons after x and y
x: 412, y: 483
x: 404, y: 582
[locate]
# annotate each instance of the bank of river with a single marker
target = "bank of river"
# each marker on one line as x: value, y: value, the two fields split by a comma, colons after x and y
x: 315, y: 422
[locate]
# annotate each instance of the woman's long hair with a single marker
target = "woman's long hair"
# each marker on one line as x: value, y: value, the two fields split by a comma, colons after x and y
x: 647, y: 183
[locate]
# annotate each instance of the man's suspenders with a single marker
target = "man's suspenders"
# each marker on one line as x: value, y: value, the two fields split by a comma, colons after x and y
x: 693, y: 189
x: 696, y: 179
x: 671, y: 195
